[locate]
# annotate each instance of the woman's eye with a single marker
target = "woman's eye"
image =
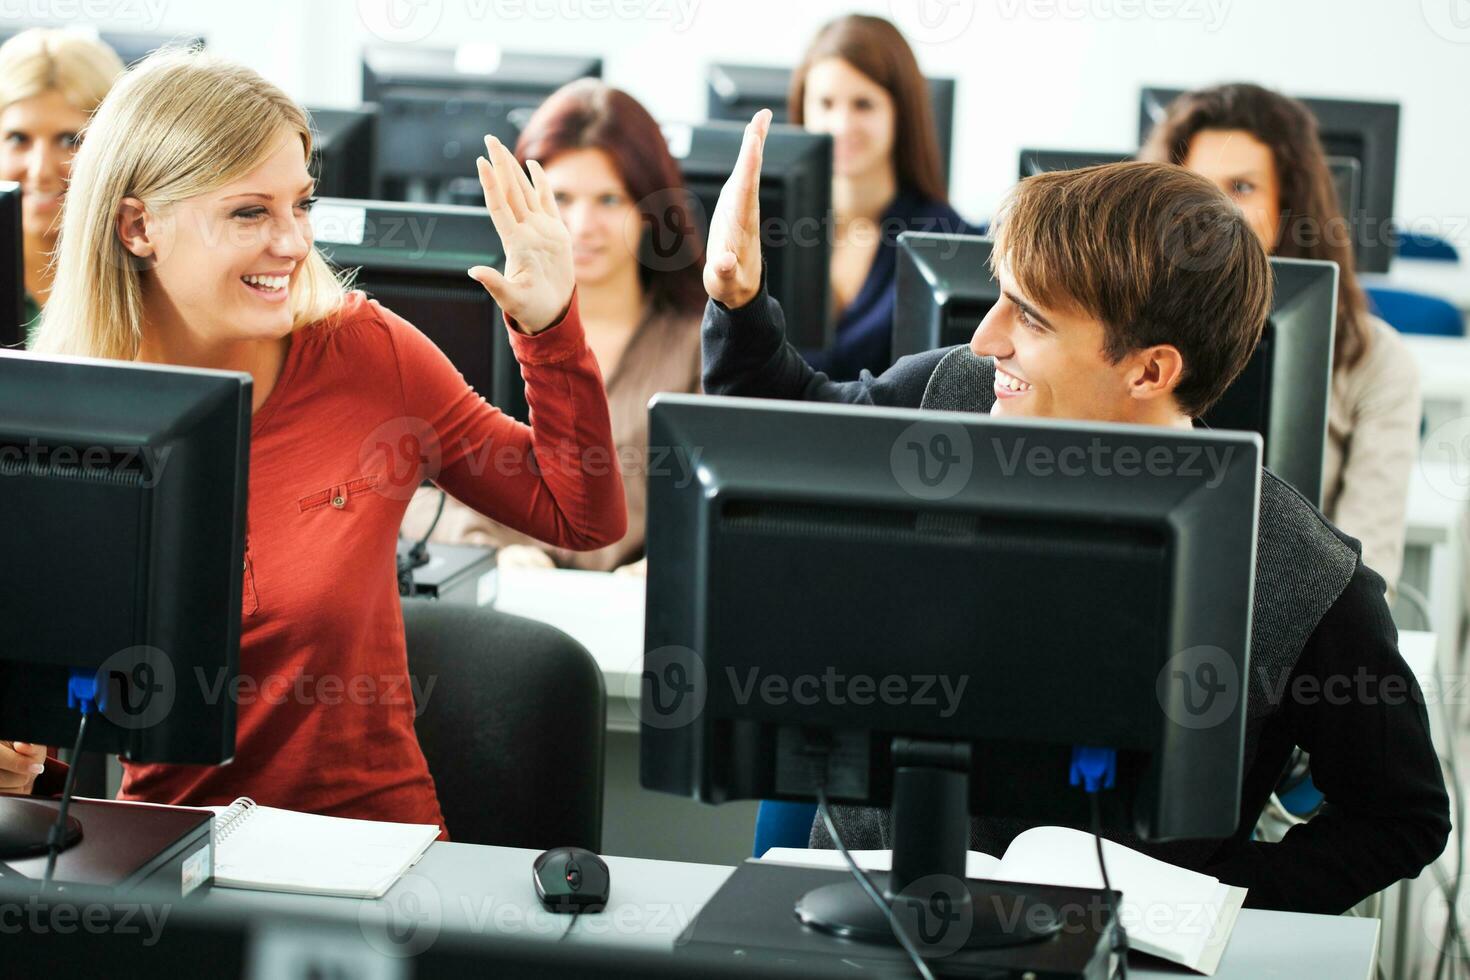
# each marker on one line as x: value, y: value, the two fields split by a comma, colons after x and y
x: 17, y: 139
x: 1242, y: 188
x: 70, y: 141
x: 249, y: 214
x: 306, y: 204
x: 609, y: 200
x: 562, y: 199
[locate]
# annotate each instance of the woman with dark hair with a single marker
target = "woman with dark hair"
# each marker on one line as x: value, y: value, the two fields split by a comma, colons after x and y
x: 859, y: 82
x: 1262, y: 149
x: 637, y: 260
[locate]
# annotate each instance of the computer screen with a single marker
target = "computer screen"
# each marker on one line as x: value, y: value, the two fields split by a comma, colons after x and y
x: 1366, y: 133
x: 437, y: 104
x: 342, y: 151
x: 737, y: 92
x: 795, y: 206
x: 1035, y: 161
x: 412, y: 259
x: 12, y: 268
x: 1034, y: 587
x: 945, y: 289
x: 126, y: 486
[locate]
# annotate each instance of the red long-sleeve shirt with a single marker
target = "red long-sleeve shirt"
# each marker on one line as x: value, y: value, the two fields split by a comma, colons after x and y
x: 326, y: 710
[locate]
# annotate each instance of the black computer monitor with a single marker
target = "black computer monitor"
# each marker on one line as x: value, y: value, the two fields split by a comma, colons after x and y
x: 1053, y: 601
x: 945, y: 289
x: 796, y: 210
x: 412, y: 258
x: 342, y: 149
x: 737, y: 92
x: 436, y: 105
x: 131, y: 46
x: 1361, y: 140
x: 12, y: 268
x: 125, y: 489
x: 1035, y: 162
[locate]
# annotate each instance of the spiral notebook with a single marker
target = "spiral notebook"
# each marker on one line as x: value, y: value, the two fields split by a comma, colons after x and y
x: 268, y: 849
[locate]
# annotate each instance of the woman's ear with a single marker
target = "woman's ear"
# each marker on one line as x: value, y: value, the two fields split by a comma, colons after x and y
x: 133, y: 230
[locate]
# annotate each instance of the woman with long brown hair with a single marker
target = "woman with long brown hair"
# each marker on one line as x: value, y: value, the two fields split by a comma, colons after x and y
x: 859, y: 81
x: 637, y: 261
x: 1262, y: 149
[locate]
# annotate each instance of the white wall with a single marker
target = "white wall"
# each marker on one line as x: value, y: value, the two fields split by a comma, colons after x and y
x: 1053, y: 73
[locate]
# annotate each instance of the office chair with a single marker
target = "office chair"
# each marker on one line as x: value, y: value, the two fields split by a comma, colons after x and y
x: 512, y: 728
x: 1417, y: 313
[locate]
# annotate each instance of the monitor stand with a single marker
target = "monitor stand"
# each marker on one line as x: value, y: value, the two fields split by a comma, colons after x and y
x: 25, y: 828
x: 931, y: 900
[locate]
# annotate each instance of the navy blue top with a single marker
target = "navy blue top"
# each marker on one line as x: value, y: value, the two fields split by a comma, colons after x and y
x: 865, y: 328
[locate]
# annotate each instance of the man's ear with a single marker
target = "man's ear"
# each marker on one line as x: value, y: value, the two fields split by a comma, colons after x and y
x: 133, y: 230
x: 1155, y: 372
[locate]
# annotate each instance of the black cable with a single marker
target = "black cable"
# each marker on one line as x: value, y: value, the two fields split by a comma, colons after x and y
x: 867, y: 885
x: 418, y: 554
x: 576, y: 914
x: 57, y: 837
x: 1120, y: 935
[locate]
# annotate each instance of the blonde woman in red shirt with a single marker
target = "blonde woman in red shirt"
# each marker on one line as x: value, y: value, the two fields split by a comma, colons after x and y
x: 186, y: 240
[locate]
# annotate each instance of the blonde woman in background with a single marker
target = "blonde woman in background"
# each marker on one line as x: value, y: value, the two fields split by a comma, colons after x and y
x: 50, y: 83
x: 186, y: 240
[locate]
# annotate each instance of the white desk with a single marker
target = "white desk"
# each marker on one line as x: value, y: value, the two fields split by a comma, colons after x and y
x: 465, y: 889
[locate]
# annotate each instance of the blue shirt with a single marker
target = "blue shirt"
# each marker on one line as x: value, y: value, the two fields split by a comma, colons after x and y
x: 865, y: 328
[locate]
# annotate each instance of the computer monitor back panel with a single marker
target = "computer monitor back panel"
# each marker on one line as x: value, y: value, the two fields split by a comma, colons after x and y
x: 1035, y: 161
x: 1006, y: 589
x: 1365, y: 132
x: 130, y: 46
x: 12, y: 268
x: 343, y: 150
x: 737, y: 92
x: 412, y: 259
x: 796, y: 206
x: 127, y: 489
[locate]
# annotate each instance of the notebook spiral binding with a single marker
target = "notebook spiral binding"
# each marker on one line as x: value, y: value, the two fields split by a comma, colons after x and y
x: 230, y: 821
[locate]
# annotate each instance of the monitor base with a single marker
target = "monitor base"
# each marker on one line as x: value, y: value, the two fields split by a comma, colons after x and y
x: 960, y: 915
x: 25, y: 827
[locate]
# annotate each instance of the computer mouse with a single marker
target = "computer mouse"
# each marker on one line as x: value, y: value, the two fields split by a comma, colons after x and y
x: 571, y: 879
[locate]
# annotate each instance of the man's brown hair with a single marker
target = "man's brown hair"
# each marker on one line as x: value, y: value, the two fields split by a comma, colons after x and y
x: 1155, y: 252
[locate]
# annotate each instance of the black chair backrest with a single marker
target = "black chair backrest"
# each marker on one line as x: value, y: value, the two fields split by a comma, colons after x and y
x: 512, y: 728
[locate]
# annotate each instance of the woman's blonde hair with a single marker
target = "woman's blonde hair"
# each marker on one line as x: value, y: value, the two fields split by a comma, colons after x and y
x: 44, y: 59
x: 178, y: 124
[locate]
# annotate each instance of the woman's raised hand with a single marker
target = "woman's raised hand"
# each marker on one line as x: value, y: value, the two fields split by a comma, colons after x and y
x: 536, y: 287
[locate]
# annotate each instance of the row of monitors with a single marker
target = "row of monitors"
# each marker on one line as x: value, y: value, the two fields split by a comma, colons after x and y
x: 412, y: 258
x: 432, y: 106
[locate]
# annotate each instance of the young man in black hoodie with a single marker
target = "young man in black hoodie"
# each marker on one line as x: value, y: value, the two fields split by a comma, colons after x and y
x: 1136, y: 293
